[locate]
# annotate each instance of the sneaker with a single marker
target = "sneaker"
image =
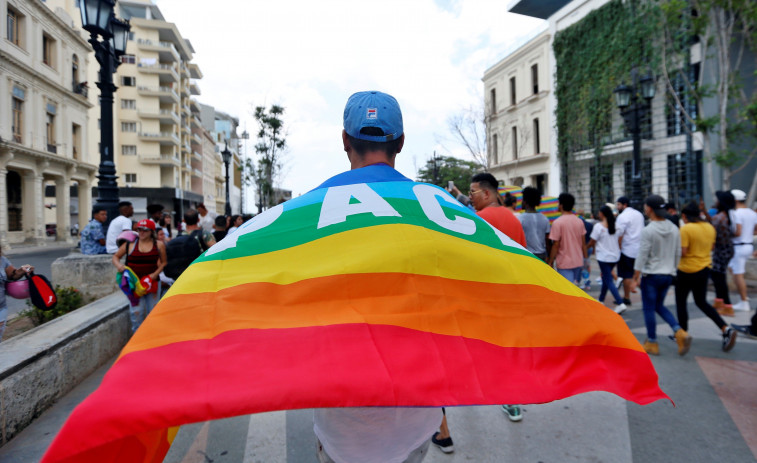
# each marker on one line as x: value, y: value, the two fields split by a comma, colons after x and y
x: 618, y: 283
x: 745, y: 330
x: 729, y: 339
x: 683, y: 339
x: 445, y: 445
x: 651, y: 348
x: 718, y: 304
x: 627, y: 302
x: 587, y: 285
x: 726, y: 310
x: 620, y: 308
x: 742, y: 306
x: 513, y: 412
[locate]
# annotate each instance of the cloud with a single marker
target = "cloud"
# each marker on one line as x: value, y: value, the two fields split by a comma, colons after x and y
x: 310, y: 56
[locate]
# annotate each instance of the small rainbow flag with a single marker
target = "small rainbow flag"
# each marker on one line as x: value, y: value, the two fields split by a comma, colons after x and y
x: 515, y: 191
x: 371, y: 290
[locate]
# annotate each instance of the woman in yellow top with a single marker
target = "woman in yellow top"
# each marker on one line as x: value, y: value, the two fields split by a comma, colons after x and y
x: 697, y: 241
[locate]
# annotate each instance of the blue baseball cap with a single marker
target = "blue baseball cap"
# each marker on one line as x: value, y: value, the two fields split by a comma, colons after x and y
x: 373, y: 109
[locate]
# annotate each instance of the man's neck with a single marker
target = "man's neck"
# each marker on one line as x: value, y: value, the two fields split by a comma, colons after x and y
x: 193, y: 227
x: 370, y: 158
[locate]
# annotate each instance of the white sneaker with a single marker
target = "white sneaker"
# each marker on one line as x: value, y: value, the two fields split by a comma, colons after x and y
x: 619, y: 309
x: 618, y: 283
x: 742, y: 306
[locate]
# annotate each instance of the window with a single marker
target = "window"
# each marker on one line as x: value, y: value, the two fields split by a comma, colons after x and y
x: 50, y: 127
x: 515, y: 142
x: 512, y: 91
x: 646, y: 176
x: 535, y: 78
x: 537, y: 146
x: 601, y: 189
x: 685, y: 179
x: 130, y: 178
x: 128, y: 81
x: 131, y: 35
x: 128, y: 104
x: 495, y: 149
x: 48, y: 50
x: 128, y: 59
x: 74, y: 70
x: 76, y: 140
x: 493, y: 93
x: 674, y: 114
x: 13, y: 29
x: 129, y: 150
x: 128, y: 126
x: 17, y: 119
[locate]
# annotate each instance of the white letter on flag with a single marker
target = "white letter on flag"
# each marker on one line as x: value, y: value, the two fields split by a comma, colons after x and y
x: 336, y: 205
x: 427, y: 195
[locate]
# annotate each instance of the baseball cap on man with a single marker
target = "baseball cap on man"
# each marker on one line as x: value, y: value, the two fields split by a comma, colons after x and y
x: 738, y: 195
x: 655, y: 202
x: 373, y: 109
x: 146, y: 223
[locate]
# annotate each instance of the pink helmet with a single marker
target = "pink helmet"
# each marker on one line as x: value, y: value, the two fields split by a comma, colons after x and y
x: 18, y: 289
x: 126, y: 235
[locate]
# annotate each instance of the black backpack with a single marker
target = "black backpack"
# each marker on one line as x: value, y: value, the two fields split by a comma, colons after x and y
x: 182, y: 251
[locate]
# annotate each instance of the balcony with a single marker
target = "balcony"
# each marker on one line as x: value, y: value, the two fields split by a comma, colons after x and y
x: 196, y: 139
x: 166, y: 49
x: 196, y: 172
x: 81, y: 89
x: 160, y: 159
x: 166, y: 72
x: 194, y: 121
x: 194, y: 106
x: 165, y: 116
x: 196, y: 155
x: 184, y: 70
x: 194, y: 88
x: 184, y: 90
x: 166, y: 94
x: 194, y: 71
x: 165, y: 138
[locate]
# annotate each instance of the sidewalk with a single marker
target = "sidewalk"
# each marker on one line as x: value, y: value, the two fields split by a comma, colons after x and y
x: 22, y: 249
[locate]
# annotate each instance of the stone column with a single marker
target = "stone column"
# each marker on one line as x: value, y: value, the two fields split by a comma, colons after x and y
x: 63, y: 208
x: 85, y: 201
x: 34, y: 215
x: 3, y: 209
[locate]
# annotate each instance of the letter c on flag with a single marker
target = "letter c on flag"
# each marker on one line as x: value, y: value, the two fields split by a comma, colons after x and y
x: 427, y: 196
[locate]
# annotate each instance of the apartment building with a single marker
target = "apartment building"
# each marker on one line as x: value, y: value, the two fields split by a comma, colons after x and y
x: 517, y: 116
x: 44, y: 110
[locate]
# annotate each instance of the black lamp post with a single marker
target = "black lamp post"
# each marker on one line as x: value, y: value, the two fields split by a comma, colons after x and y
x: 631, y: 107
x: 108, y: 37
x: 226, y: 154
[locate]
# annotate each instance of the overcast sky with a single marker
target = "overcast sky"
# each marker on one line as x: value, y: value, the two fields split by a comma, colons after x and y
x: 310, y: 56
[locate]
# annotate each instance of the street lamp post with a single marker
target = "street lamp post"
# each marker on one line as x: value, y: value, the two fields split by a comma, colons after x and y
x: 226, y: 154
x: 108, y: 37
x: 631, y: 107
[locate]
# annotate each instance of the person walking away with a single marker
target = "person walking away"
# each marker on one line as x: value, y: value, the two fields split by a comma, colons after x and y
x: 673, y: 216
x: 118, y: 225
x: 604, y: 241
x: 697, y: 241
x: 654, y: 268
x: 92, y: 236
x: 743, y: 245
x: 207, y: 219
x: 585, y: 281
x: 722, y: 252
x: 372, y: 141
x: 568, y: 244
x: 629, y: 223
x: 535, y: 225
x: 146, y: 257
x: 219, y: 227
x: 8, y: 273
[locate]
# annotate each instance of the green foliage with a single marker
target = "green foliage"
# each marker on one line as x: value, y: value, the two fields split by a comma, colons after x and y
x: 271, y: 144
x: 69, y: 299
x: 593, y: 57
x: 439, y: 170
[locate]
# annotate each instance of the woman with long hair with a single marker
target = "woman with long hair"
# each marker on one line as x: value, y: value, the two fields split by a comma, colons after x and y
x: 604, y: 241
x: 146, y: 257
x: 723, y: 250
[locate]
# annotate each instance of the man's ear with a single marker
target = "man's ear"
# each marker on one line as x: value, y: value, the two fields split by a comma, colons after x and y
x: 346, y: 141
x: 401, y: 144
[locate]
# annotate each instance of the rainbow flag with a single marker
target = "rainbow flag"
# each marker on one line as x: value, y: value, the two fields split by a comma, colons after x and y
x: 548, y: 207
x: 371, y: 290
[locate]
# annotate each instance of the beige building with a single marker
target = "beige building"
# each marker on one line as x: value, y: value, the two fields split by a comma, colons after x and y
x: 44, y: 128
x: 517, y: 115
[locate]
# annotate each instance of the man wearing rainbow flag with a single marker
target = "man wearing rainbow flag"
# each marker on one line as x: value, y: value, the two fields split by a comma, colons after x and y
x: 373, y: 135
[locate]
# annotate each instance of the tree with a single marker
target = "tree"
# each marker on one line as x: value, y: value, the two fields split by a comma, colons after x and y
x: 264, y: 172
x: 724, y: 28
x: 439, y: 170
x: 468, y: 129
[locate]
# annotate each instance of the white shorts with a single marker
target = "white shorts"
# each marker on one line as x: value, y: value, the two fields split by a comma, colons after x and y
x: 741, y: 253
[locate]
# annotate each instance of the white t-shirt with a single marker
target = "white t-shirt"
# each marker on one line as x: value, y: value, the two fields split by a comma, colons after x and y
x: 118, y: 225
x: 208, y: 221
x: 607, y: 244
x: 747, y: 218
x: 629, y: 225
x: 374, y: 434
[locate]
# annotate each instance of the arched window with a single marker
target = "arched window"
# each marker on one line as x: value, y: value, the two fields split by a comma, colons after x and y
x: 75, y: 71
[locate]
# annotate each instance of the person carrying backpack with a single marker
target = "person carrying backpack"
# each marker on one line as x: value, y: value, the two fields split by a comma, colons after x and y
x: 188, y: 246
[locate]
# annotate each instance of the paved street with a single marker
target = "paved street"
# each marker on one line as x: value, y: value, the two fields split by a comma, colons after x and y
x: 42, y: 259
x: 715, y: 418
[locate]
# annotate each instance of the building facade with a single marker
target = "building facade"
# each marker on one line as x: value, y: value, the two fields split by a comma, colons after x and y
x: 44, y: 111
x: 517, y: 116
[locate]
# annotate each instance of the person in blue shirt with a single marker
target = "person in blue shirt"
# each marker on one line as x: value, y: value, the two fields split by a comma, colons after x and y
x: 92, y: 236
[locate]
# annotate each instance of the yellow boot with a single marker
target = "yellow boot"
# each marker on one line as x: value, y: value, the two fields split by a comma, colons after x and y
x: 652, y: 348
x: 683, y: 339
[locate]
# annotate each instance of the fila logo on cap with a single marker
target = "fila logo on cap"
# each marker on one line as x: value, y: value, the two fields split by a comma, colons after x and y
x: 371, y: 114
